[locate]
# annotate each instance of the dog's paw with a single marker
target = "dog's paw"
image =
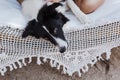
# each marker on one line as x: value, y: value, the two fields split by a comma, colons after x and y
x: 25, y: 34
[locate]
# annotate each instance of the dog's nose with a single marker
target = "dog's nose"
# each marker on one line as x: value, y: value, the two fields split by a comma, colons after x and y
x: 62, y: 49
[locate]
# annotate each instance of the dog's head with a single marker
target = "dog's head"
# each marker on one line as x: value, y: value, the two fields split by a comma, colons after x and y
x: 49, y: 26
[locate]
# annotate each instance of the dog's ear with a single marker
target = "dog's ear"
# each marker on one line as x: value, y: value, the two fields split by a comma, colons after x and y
x: 50, y: 10
x: 29, y: 29
x: 34, y: 29
x: 39, y: 31
x: 65, y: 19
x: 55, y: 5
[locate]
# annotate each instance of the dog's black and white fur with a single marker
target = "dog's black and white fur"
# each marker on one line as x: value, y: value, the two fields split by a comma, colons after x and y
x: 46, y: 22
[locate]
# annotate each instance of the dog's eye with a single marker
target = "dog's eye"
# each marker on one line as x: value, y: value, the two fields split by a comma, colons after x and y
x: 55, y: 30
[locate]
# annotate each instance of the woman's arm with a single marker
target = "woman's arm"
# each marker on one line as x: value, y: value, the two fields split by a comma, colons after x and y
x: 89, y: 6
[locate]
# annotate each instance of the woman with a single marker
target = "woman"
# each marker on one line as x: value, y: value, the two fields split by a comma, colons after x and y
x: 87, y: 6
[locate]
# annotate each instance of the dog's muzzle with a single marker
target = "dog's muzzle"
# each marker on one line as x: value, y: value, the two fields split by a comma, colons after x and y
x: 62, y: 44
x: 62, y: 49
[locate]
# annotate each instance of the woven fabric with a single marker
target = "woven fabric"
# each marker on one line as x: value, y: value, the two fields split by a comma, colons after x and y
x: 86, y: 44
x: 85, y: 47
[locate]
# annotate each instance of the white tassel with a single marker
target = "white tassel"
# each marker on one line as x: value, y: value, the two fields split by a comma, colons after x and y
x: 86, y: 68
x: 38, y: 61
x: 11, y: 67
x: 54, y: 64
x: 20, y: 64
x: 2, y: 72
x: 100, y: 58
x: 79, y: 73
x: 64, y: 70
x: 108, y: 55
x: 83, y: 70
x: 51, y: 63
x: 30, y: 60
x: 14, y: 65
x: 23, y: 61
x: 44, y: 60
x: 58, y: 67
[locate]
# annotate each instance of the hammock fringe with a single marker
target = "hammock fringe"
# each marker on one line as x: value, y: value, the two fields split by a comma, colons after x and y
x: 85, y: 47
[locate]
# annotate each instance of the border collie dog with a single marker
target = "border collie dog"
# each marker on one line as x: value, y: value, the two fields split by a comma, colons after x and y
x: 46, y: 21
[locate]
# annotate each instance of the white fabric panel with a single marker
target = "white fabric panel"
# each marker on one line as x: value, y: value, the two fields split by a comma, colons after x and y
x: 11, y: 15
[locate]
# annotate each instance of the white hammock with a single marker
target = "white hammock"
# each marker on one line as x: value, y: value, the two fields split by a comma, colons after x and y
x: 86, y: 45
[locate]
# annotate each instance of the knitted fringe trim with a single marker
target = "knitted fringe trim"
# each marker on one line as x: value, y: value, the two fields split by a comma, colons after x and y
x: 53, y: 63
x: 92, y: 40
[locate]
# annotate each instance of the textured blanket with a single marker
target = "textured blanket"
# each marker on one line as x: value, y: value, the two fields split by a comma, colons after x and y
x: 86, y: 42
